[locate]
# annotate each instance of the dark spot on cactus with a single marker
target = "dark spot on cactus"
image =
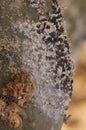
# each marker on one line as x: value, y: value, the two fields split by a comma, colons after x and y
x: 54, y: 1
x: 50, y: 58
x: 71, y: 81
x: 54, y: 8
x: 49, y: 39
x: 38, y: 31
x: 47, y: 27
x: 61, y: 30
x: 59, y: 16
x: 58, y: 11
x: 62, y: 75
x: 60, y: 39
x: 43, y: 19
x: 52, y: 34
x: 38, y: 26
x: 53, y: 19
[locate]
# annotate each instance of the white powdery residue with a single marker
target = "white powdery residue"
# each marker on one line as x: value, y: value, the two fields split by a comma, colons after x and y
x: 48, y: 98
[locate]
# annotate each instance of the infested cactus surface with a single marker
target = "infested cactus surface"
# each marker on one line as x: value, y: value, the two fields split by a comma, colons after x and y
x: 44, y: 52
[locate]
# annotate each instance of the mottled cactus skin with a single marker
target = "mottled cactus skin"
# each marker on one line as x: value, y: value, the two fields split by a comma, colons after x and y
x: 46, y: 53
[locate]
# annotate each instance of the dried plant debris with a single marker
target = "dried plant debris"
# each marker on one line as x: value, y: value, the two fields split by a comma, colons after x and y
x: 13, y: 97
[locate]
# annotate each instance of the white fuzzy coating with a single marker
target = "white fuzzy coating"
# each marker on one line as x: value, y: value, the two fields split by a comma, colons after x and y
x: 46, y: 53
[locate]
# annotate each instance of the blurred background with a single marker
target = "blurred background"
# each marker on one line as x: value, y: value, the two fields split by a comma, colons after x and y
x: 74, y: 12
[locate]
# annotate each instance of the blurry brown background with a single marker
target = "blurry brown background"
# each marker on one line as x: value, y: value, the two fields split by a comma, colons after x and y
x: 74, y: 12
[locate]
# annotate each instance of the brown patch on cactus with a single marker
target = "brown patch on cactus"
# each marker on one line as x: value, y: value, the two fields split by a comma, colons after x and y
x: 14, y: 95
x: 14, y: 120
x: 21, y: 88
x: 2, y: 106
